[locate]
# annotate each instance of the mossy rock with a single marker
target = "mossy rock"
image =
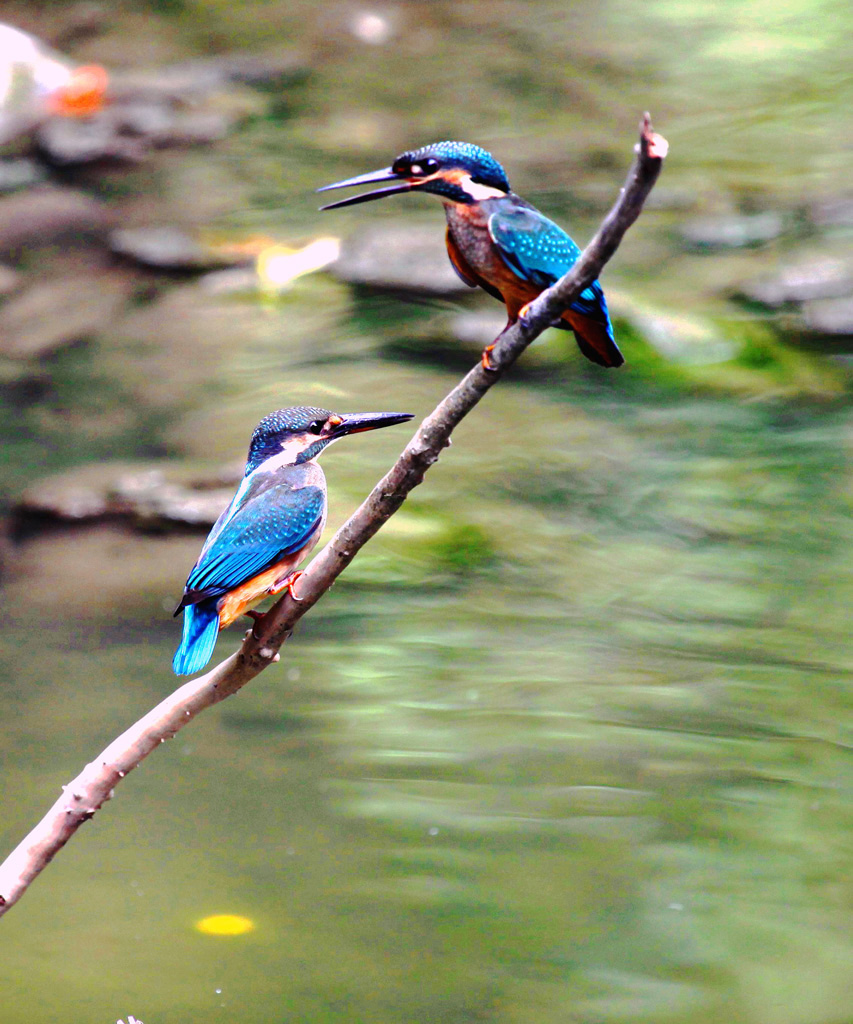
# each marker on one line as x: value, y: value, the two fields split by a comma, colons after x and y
x: 728, y: 356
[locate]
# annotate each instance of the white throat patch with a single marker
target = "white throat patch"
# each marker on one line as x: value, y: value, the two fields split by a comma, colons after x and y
x: 477, y: 191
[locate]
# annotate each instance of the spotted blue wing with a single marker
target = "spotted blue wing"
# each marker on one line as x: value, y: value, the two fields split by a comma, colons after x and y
x: 261, y: 532
x: 536, y: 248
x: 539, y: 251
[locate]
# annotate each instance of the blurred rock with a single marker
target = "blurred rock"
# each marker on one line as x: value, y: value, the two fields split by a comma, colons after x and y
x: 79, y: 21
x: 52, y: 314
x: 256, y: 68
x: 129, y: 128
x: 69, y: 141
x: 150, y: 118
x: 153, y: 503
x: 168, y: 248
x: 399, y: 259
x: 228, y: 476
x: 733, y: 232
x: 23, y: 173
x: 157, y: 123
x: 197, y: 128
x: 830, y: 316
x: 62, y: 498
x: 814, y: 278
x: 142, y: 497
x: 687, y: 340
x: 476, y: 330
x: 834, y: 212
x: 196, y: 79
x: 10, y: 281
x: 232, y: 281
x: 23, y: 383
x: 47, y: 214
x: 664, y: 197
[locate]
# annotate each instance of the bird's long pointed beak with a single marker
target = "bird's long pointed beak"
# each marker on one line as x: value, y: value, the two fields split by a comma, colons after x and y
x: 385, y: 174
x: 356, y: 422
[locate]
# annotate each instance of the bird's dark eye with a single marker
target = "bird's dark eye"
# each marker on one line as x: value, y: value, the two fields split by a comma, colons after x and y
x: 316, y: 427
x: 421, y: 168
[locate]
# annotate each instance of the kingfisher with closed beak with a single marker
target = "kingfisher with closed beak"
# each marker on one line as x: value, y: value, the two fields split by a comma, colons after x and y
x: 496, y: 239
x: 274, y: 520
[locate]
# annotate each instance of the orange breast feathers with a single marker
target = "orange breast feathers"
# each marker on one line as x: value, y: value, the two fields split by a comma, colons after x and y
x: 271, y: 581
x: 480, y: 264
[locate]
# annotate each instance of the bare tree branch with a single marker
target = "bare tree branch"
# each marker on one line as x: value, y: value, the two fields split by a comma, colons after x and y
x: 94, y: 785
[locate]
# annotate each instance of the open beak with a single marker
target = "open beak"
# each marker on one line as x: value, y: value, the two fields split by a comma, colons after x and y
x: 386, y: 174
x: 357, y: 422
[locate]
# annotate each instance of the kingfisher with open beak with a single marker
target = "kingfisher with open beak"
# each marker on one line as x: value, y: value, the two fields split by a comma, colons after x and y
x: 495, y: 239
x: 274, y: 520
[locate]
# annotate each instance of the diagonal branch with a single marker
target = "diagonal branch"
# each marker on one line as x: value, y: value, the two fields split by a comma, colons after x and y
x: 82, y: 797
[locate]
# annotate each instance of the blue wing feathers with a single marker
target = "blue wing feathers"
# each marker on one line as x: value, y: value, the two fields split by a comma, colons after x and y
x: 268, y: 520
x: 265, y: 530
x: 540, y: 252
x: 201, y: 627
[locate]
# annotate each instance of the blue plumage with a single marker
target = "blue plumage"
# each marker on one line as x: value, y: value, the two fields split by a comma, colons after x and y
x: 539, y: 251
x: 201, y: 628
x: 478, y: 162
x: 268, y: 434
x: 259, y: 530
x: 495, y: 239
x: 274, y: 520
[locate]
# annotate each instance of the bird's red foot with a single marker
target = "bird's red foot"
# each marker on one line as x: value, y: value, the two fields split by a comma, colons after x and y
x: 287, y: 584
x: 486, y: 361
x: 523, y: 313
x: 293, y: 578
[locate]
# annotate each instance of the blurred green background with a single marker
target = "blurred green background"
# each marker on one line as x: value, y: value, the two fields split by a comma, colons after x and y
x: 570, y: 740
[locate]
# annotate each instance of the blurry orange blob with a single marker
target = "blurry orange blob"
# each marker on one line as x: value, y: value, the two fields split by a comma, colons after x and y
x: 82, y: 94
x: 225, y: 924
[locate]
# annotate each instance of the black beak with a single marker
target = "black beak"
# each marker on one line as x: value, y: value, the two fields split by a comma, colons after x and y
x: 386, y: 174
x: 356, y: 422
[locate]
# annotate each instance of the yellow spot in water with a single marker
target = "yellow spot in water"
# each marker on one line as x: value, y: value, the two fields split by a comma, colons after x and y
x: 224, y: 924
x: 278, y: 266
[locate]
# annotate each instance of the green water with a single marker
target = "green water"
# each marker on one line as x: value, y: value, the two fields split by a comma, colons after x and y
x: 570, y: 740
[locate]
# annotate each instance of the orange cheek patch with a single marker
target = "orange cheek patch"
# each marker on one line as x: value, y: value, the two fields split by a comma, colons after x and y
x: 455, y: 175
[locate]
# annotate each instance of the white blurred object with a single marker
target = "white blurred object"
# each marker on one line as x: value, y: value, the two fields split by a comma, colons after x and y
x: 36, y: 82
x: 28, y: 69
x: 371, y: 27
x: 278, y: 265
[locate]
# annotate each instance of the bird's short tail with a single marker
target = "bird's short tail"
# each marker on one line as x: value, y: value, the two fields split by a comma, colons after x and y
x: 201, y: 627
x: 595, y: 340
x: 589, y: 319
